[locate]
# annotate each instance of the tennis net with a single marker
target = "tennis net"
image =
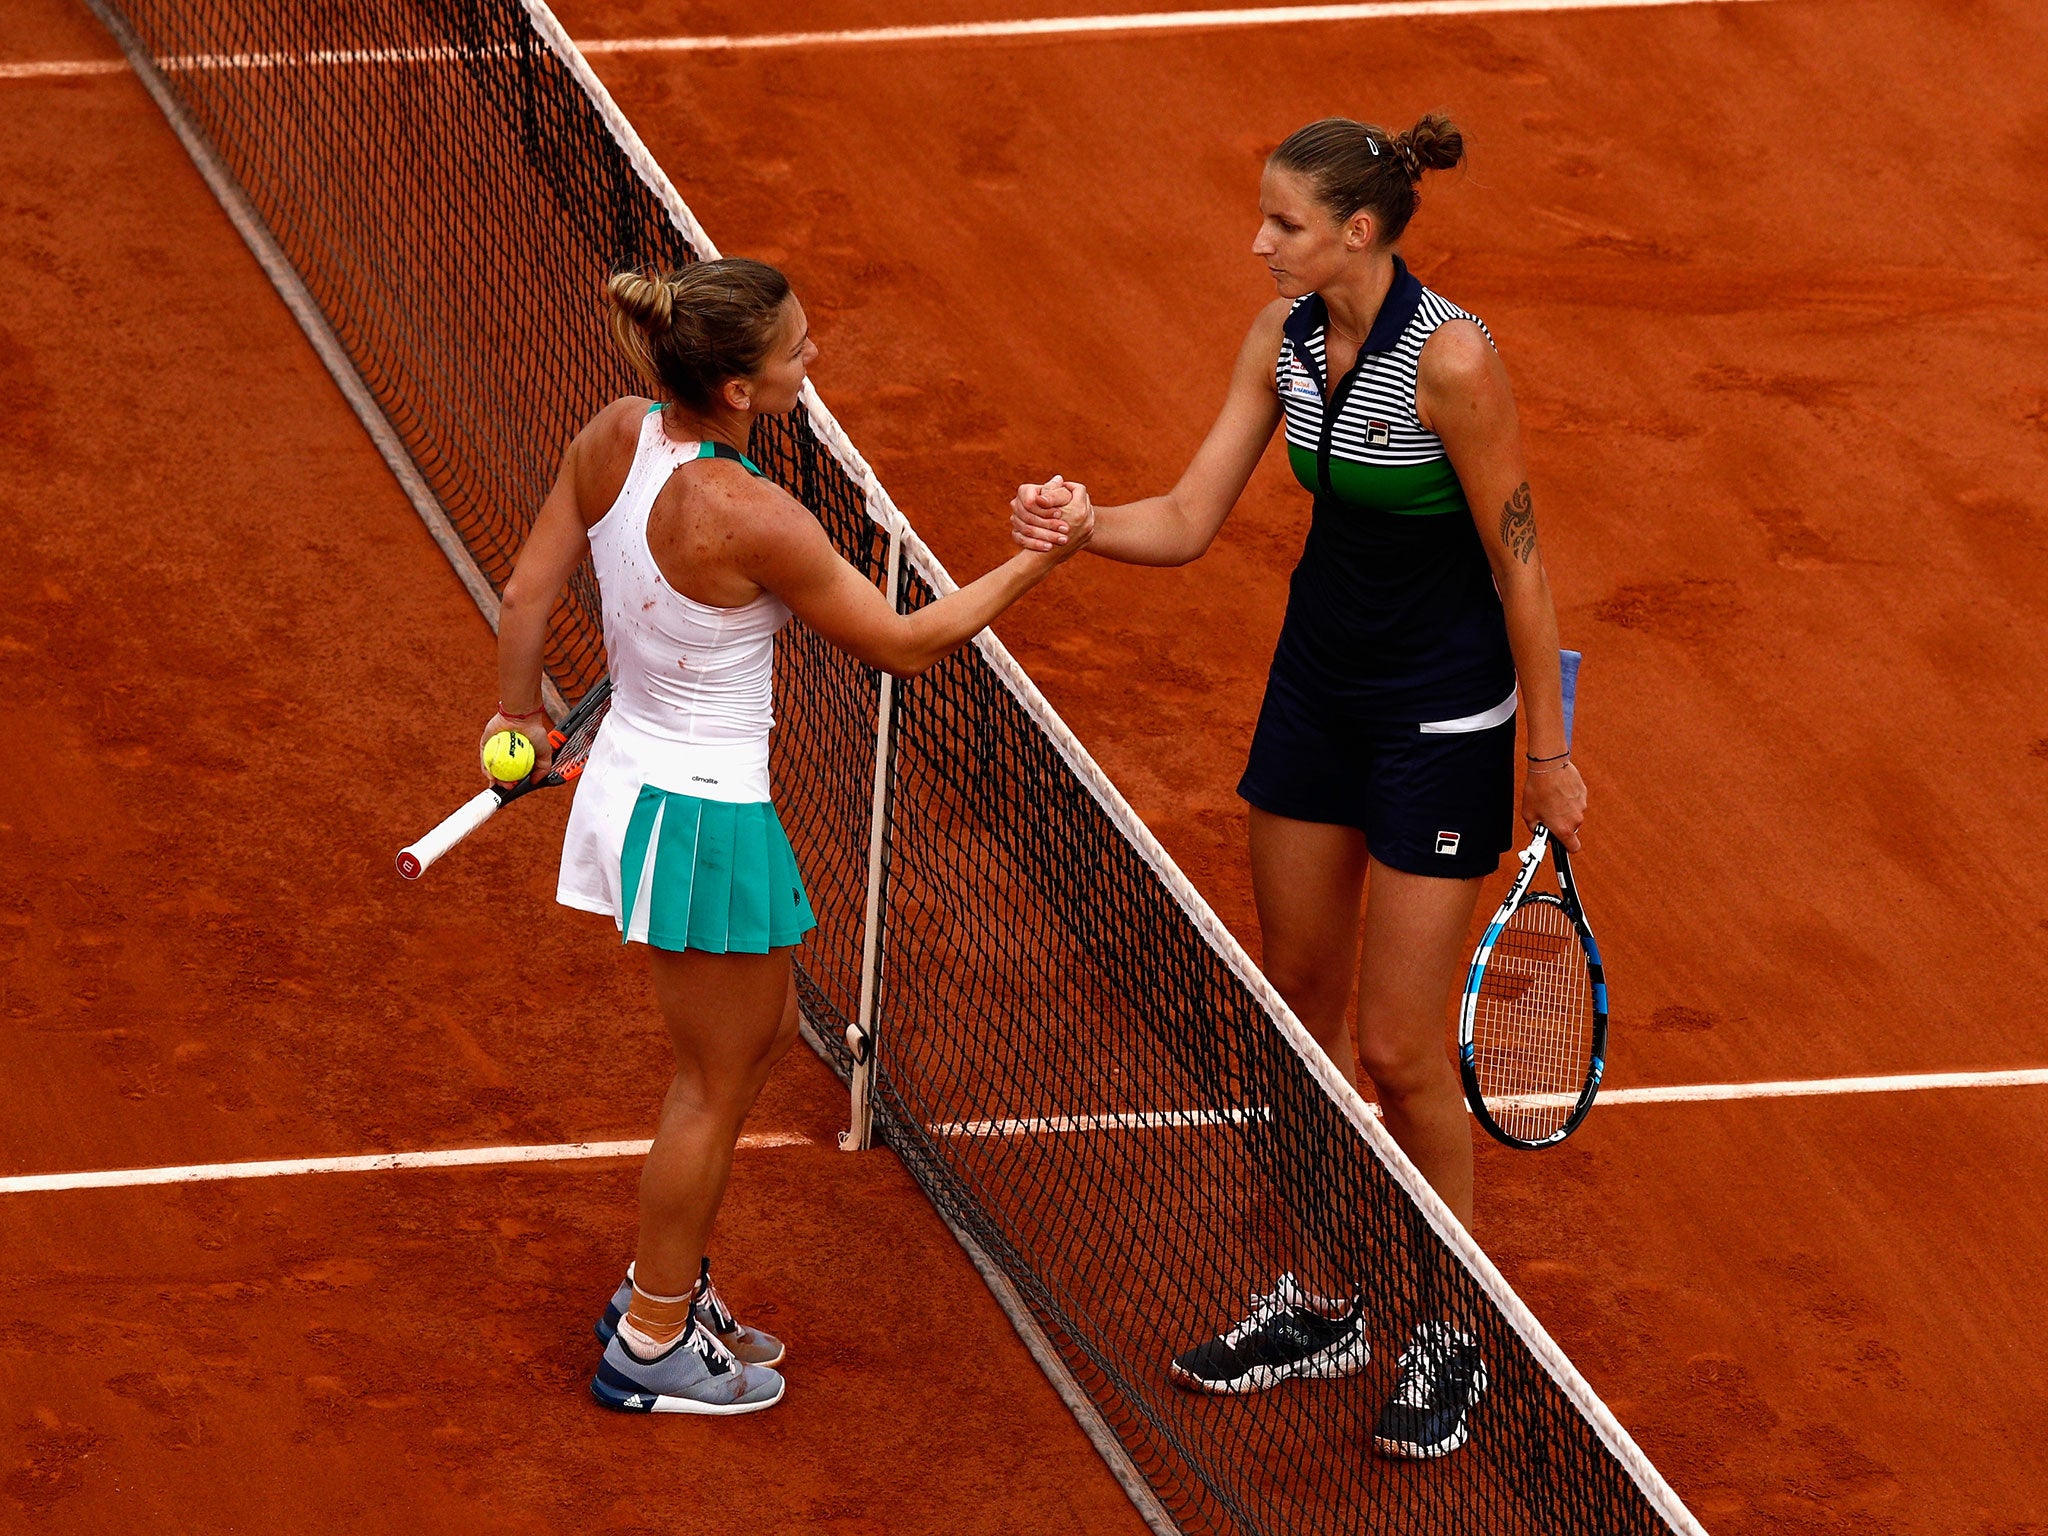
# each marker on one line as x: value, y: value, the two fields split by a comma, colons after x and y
x: 1108, y: 1104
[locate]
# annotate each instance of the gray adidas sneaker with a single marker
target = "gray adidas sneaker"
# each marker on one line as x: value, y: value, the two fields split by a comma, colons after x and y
x: 696, y: 1374
x: 749, y: 1345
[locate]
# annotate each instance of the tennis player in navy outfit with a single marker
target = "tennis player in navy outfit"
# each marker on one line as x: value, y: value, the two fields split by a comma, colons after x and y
x: 1419, y: 624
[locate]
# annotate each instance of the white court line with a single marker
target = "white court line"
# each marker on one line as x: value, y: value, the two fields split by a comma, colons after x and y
x: 1147, y: 1120
x: 1141, y: 21
x: 1048, y: 26
x: 63, y: 69
x: 1705, y: 1093
x: 583, y: 1151
x: 453, y: 1157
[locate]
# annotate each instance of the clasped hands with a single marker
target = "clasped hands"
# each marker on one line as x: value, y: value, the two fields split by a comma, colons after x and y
x: 1055, y: 517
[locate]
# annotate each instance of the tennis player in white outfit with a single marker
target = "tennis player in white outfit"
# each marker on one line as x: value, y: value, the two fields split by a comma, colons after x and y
x: 673, y: 833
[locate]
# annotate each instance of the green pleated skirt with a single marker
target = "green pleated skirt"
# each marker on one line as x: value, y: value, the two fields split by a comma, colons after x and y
x: 710, y: 875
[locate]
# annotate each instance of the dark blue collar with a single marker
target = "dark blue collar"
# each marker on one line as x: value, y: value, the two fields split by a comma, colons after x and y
x: 1403, y: 298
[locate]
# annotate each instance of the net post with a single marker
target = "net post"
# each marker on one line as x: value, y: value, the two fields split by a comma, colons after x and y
x: 861, y: 1035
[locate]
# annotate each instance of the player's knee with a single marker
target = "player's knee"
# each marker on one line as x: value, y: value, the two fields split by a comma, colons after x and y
x: 764, y: 1063
x: 713, y: 1095
x: 1402, y: 1067
x: 1316, y: 992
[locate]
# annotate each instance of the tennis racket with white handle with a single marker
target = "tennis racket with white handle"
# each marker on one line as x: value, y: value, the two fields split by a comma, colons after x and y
x: 572, y: 741
x: 1532, y: 1027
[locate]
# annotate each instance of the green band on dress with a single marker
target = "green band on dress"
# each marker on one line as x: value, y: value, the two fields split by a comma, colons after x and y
x: 1407, y: 490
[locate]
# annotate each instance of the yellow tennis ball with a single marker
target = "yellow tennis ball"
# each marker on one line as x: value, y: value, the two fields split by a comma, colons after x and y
x: 508, y: 757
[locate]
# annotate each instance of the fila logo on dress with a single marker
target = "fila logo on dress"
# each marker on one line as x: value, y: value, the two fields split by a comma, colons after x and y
x: 1447, y: 842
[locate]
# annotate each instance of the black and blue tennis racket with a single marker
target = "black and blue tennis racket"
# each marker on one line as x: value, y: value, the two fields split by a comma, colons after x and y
x: 1532, y: 1028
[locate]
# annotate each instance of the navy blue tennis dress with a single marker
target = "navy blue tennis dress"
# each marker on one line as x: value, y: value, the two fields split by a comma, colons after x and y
x: 1391, y: 702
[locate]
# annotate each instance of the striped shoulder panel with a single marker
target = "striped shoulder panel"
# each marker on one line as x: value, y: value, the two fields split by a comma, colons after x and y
x: 1378, y: 424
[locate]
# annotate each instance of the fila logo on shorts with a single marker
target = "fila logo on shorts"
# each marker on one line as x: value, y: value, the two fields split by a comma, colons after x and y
x: 1447, y: 842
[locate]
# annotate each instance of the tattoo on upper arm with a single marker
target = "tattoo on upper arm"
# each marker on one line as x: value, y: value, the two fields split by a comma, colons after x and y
x: 1518, y: 524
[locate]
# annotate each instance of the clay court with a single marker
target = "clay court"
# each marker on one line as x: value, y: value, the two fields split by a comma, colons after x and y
x: 1769, y: 279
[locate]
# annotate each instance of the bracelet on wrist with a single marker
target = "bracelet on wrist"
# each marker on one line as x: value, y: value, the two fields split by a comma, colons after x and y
x: 513, y: 714
x: 1555, y: 756
x: 1557, y: 768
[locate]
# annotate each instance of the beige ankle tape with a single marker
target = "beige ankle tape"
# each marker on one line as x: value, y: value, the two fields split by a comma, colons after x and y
x: 656, y: 1320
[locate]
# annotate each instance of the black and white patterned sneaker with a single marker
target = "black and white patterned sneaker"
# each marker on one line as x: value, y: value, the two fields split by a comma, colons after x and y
x: 1288, y: 1333
x: 1442, y: 1380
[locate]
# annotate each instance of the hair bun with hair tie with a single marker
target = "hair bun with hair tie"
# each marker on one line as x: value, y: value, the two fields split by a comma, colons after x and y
x: 688, y: 331
x: 1352, y: 166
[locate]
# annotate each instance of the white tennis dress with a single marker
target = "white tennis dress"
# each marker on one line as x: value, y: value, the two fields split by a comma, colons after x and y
x: 692, y: 698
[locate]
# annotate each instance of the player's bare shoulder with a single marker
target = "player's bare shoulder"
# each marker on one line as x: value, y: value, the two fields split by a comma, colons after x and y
x: 718, y: 513
x: 1261, y: 349
x: 600, y: 457
x: 615, y: 430
x: 1458, y: 356
x: 1460, y: 377
x: 1268, y: 325
x: 741, y: 505
x: 768, y: 526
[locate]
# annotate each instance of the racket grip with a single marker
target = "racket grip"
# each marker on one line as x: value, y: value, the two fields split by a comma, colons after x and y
x: 1568, y: 671
x: 416, y: 860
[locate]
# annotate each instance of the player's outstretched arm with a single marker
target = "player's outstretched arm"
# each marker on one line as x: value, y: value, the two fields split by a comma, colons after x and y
x: 1179, y: 526
x: 791, y: 557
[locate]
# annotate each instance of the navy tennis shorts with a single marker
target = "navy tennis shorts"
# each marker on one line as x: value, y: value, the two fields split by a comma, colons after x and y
x: 1427, y: 804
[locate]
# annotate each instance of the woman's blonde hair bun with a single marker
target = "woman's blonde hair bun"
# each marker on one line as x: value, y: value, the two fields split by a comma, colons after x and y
x: 688, y: 331
x: 643, y: 298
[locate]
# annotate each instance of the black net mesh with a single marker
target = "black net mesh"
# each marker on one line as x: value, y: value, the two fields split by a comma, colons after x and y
x: 1070, y: 1069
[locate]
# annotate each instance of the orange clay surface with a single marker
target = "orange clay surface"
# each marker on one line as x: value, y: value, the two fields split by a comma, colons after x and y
x: 1769, y: 280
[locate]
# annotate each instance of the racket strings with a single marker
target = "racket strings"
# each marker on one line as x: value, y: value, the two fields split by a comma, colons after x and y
x: 574, y: 748
x: 1532, y: 1028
